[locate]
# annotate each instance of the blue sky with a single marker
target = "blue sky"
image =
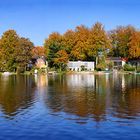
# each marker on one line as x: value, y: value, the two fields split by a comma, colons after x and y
x: 36, y: 19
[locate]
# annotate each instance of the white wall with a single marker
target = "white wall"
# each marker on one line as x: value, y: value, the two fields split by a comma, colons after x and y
x: 77, y: 65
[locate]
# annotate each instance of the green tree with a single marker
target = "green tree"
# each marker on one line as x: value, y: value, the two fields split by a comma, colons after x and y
x: 52, y: 45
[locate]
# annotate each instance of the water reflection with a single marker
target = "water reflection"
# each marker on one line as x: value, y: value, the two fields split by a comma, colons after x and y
x: 62, y: 106
x: 80, y: 96
x: 16, y: 94
x: 41, y: 80
x: 93, y: 96
x: 126, y: 100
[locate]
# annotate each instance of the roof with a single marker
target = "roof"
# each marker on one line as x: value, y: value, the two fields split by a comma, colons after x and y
x: 115, y: 59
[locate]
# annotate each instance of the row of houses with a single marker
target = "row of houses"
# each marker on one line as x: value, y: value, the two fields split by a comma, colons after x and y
x: 90, y: 66
x: 83, y: 65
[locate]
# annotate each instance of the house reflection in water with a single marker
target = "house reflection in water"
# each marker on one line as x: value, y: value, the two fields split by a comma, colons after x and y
x: 41, y: 80
x: 81, y: 80
x: 77, y: 95
x: 42, y: 85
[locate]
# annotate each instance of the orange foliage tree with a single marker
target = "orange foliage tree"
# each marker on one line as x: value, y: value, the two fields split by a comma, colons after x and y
x: 134, y: 50
x: 38, y: 52
x: 61, y: 59
x: 69, y: 41
x: 85, y: 43
x: 120, y: 38
x: 98, y: 40
x: 79, y: 50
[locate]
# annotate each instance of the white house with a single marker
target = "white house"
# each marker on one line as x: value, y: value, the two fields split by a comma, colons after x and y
x: 79, y: 65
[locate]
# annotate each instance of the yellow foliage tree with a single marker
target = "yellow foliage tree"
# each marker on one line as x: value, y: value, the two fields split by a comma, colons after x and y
x: 134, y: 50
x: 61, y: 59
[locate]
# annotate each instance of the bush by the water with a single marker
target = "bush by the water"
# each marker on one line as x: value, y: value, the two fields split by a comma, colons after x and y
x: 128, y: 67
x: 101, y: 67
x: 138, y: 69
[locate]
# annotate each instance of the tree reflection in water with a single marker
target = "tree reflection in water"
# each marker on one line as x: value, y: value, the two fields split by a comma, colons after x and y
x: 95, y: 96
x: 17, y: 92
x: 79, y: 96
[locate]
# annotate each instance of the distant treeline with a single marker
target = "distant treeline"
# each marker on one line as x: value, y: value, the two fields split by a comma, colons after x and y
x: 82, y: 43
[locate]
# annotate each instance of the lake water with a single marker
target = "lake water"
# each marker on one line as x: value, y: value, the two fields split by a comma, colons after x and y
x: 70, y: 107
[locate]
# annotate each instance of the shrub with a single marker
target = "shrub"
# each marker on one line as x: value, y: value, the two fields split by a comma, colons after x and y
x: 138, y: 69
x: 100, y: 66
x: 20, y: 70
x: 128, y: 67
x: 110, y: 65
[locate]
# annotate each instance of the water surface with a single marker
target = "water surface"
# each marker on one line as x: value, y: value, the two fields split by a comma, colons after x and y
x: 70, y: 107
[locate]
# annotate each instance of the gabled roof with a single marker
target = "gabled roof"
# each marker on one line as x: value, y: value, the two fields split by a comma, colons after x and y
x: 116, y: 59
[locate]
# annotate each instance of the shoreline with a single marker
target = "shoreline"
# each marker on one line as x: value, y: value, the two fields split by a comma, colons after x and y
x: 51, y: 73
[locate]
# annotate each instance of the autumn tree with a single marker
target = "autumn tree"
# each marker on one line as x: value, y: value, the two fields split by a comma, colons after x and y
x: 1, y: 60
x: 52, y: 45
x: 23, y: 53
x: 15, y: 52
x: 134, y: 49
x: 97, y: 41
x: 79, y: 49
x: 87, y: 43
x: 8, y: 43
x: 120, y: 38
x: 69, y: 41
x: 61, y: 59
x: 38, y: 52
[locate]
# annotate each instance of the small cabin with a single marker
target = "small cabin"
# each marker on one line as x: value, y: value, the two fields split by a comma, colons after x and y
x: 118, y: 62
x: 41, y: 63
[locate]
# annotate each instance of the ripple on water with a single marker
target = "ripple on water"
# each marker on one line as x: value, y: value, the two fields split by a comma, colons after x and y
x: 73, y: 107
